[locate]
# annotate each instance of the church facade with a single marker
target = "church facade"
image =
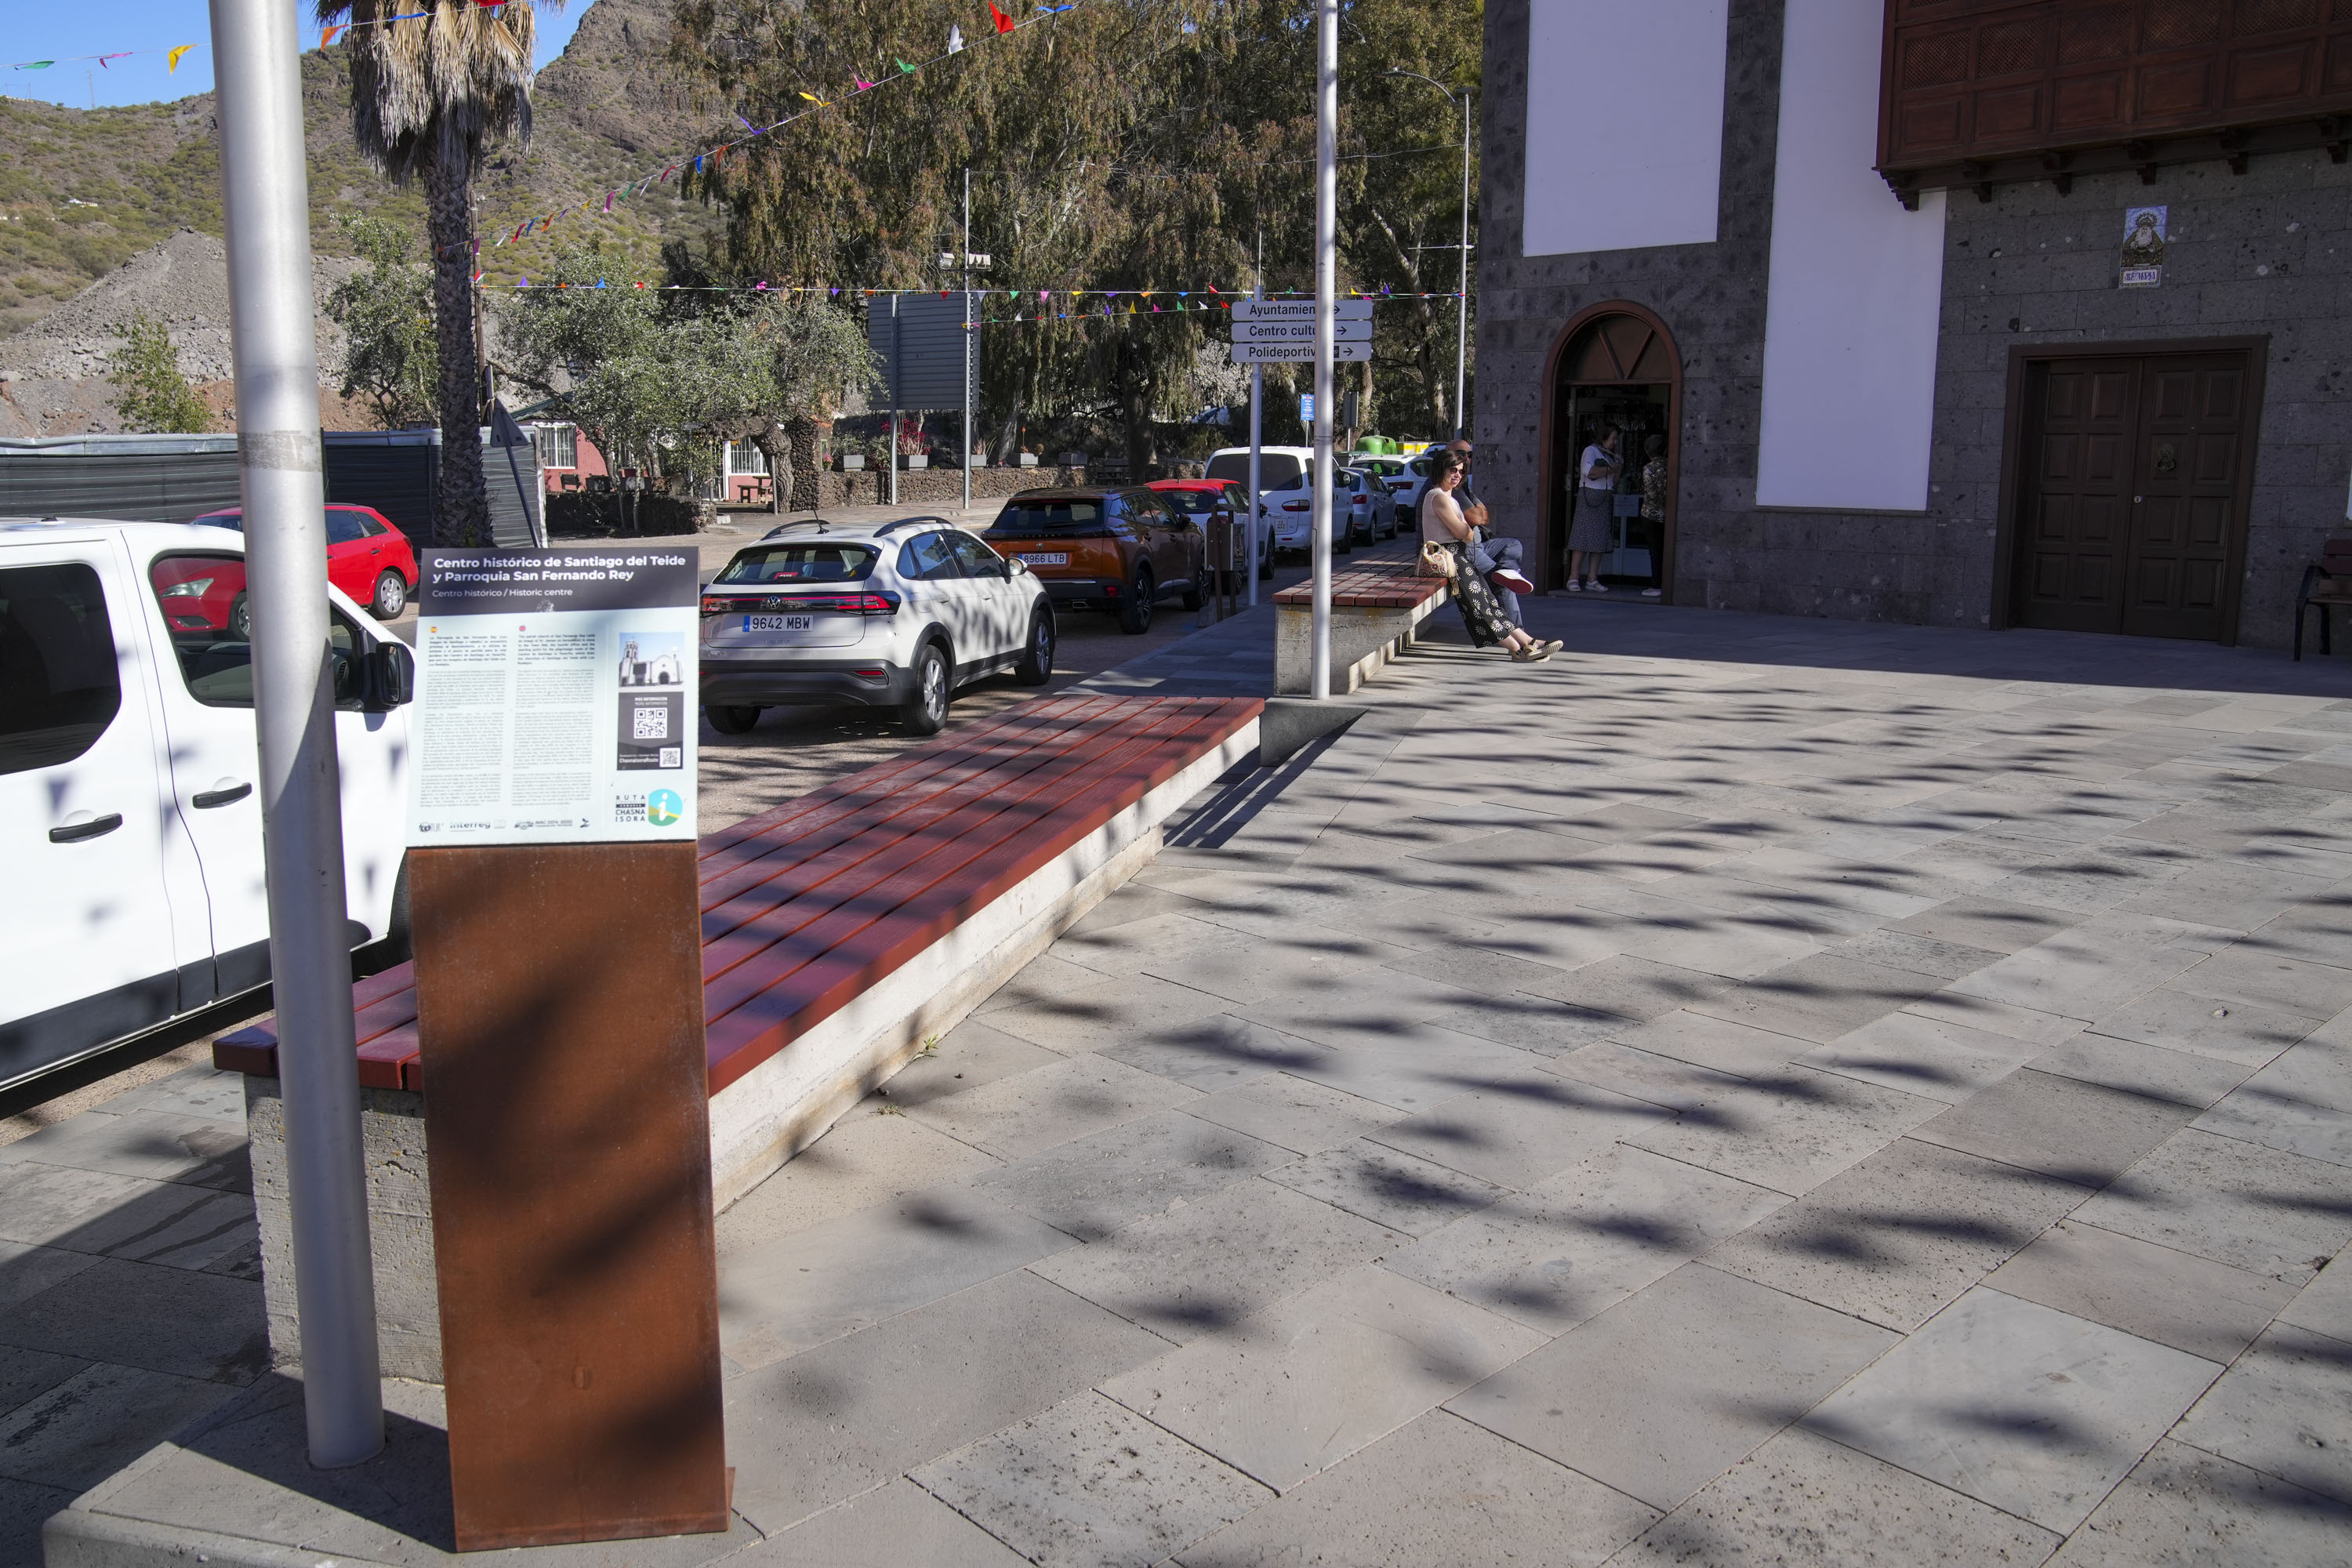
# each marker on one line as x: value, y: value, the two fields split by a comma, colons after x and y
x: 1979, y: 313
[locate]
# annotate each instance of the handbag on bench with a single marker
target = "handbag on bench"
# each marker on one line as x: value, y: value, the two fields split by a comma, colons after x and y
x: 1436, y: 561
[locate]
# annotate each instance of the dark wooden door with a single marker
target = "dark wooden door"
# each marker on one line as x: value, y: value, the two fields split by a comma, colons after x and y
x: 2129, y: 514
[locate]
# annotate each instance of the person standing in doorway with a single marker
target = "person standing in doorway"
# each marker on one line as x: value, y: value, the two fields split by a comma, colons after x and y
x: 1592, y: 498
x: 1494, y: 558
x: 1653, y: 506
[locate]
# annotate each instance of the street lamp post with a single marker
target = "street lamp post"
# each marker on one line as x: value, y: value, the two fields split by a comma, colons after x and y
x: 1461, y: 297
x: 265, y: 203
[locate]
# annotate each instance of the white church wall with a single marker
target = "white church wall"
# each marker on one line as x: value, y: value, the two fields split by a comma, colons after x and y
x: 1856, y: 291
x: 1625, y: 134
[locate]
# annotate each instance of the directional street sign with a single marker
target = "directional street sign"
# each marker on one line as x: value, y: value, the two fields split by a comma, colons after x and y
x: 1299, y: 309
x: 1299, y: 331
x: 1297, y: 352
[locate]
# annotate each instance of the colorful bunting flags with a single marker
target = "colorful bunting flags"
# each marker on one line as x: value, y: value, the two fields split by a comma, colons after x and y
x: 172, y: 58
x: 955, y: 40
x: 1004, y: 23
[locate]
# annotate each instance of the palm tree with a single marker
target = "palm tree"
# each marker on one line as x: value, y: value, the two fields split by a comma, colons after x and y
x: 429, y: 95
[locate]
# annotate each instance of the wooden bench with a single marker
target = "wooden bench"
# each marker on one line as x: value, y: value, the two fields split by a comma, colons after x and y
x: 2326, y: 584
x: 839, y: 931
x: 1375, y: 607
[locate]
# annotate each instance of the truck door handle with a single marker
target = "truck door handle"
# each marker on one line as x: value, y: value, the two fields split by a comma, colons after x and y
x: 93, y: 828
x: 205, y: 799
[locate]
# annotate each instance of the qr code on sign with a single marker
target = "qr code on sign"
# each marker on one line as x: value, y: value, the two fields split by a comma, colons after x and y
x: 651, y: 723
x: 673, y: 756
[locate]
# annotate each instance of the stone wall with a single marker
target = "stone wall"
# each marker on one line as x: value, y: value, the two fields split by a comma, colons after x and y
x: 937, y: 487
x: 2260, y: 253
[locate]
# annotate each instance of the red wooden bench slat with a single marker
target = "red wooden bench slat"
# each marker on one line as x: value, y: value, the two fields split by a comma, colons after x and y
x: 846, y: 953
x: 863, y: 812
x: 919, y: 764
x: 946, y: 831
x: 1065, y: 776
x: 843, y: 845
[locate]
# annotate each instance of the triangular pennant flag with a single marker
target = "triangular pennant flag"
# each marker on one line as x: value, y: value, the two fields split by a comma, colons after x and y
x: 1004, y: 23
x: 862, y: 86
x: 752, y: 128
x: 122, y: 54
x: 833, y: 291
x: 955, y: 41
x: 325, y: 38
x: 815, y: 99
x: 524, y: 284
x: 608, y: 207
x: 172, y: 58
x: 904, y: 68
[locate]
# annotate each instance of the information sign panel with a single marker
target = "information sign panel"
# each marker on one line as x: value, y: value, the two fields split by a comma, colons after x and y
x: 1297, y: 353
x: 1299, y: 331
x: 1299, y: 309
x: 556, y: 696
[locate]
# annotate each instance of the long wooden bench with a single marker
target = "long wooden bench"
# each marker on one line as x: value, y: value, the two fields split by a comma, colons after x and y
x: 1375, y: 607
x: 839, y: 931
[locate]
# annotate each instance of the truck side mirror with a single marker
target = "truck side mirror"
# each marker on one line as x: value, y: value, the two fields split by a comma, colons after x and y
x: 391, y: 676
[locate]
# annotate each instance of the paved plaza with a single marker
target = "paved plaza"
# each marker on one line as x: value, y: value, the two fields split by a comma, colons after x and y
x: 1749, y: 1091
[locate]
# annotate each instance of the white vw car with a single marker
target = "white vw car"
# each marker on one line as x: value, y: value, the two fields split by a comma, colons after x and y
x: 894, y: 614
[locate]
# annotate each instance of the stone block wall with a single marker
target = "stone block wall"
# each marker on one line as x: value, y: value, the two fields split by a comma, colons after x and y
x: 2265, y: 252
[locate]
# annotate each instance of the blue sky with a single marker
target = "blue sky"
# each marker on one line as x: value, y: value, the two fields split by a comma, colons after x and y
x: 57, y: 32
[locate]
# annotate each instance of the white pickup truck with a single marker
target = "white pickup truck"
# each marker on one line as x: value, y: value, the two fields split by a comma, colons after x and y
x: 130, y: 813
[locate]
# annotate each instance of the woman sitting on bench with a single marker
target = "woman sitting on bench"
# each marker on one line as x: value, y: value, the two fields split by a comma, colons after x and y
x: 1483, y: 616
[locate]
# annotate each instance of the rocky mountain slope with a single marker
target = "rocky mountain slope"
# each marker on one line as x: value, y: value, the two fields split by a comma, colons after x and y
x: 93, y: 206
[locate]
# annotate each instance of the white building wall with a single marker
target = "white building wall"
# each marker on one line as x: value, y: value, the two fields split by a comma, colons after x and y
x: 1856, y: 291
x: 1625, y: 145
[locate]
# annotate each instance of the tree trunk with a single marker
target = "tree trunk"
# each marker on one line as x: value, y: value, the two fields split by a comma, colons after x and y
x: 1135, y: 413
x: 808, y: 491
x: 465, y: 510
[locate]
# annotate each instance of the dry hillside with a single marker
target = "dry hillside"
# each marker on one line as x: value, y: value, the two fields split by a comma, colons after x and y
x: 92, y: 204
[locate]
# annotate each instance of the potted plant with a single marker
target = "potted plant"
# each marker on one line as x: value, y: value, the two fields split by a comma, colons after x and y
x: 1028, y: 460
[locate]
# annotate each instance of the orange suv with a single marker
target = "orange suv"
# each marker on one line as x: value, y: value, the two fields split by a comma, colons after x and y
x: 1117, y: 549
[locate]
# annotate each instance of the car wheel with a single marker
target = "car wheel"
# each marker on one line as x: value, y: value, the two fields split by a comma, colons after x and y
x: 1036, y: 666
x: 926, y: 712
x: 240, y: 619
x: 1135, y: 615
x: 1345, y: 545
x: 730, y: 719
x: 390, y: 598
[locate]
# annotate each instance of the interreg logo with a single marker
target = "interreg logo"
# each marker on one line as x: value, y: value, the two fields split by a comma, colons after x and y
x: 664, y: 808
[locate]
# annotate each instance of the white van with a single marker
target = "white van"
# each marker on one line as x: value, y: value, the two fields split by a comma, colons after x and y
x: 130, y: 816
x: 1285, y: 504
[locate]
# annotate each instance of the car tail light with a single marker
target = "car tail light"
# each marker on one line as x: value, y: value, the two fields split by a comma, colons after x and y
x: 1298, y: 506
x: 828, y: 603
x: 712, y: 606
x: 867, y: 674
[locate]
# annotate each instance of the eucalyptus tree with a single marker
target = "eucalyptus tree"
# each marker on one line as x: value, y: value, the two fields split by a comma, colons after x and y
x: 430, y: 93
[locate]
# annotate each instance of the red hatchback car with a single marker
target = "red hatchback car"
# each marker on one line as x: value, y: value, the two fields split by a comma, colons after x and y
x: 367, y: 558
x: 1203, y: 500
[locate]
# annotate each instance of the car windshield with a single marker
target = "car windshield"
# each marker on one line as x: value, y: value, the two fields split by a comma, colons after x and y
x: 1047, y: 516
x: 232, y: 520
x: 1275, y: 470
x: 800, y: 563
x: 1191, y: 500
x: 1383, y: 464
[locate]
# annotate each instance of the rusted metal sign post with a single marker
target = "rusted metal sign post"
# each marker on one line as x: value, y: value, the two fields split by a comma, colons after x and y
x: 559, y: 989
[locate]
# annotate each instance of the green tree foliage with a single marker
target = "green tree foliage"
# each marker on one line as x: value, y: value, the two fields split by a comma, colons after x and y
x: 658, y: 378
x: 1145, y: 145
x: 151, y: 394
x: 391, y: 356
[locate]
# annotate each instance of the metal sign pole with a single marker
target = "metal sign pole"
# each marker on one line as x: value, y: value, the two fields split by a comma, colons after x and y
x: 265, y: 191
x: 1258, y: 440
x: 897, y: 360
x: 966, y: 463
x: 1461, y: 305
x: 1327, y: 283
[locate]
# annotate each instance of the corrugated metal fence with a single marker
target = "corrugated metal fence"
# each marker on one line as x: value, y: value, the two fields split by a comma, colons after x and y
x: 171, y: 479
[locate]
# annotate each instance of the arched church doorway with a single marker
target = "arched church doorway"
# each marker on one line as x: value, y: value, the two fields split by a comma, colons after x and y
x: 1616, y: 365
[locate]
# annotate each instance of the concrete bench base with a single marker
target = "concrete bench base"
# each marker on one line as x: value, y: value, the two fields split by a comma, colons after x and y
x: 758, y: 1121
x: 1364, y: 637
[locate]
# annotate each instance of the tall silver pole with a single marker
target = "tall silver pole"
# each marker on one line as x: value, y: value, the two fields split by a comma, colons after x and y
x: 1327, y: 287
x: 966, y: 464
x: 264, y: 195
x: 1461, y: 305
x: 895, y: 348
x: 1257, y: 440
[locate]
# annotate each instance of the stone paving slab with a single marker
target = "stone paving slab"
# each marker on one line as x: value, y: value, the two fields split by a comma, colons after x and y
x: 1746, y: 1089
